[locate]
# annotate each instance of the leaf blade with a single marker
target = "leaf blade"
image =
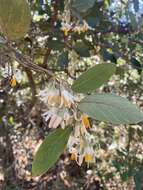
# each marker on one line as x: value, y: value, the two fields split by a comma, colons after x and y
x: 15, y: 18
x: 94, y: 78
x: 53, y: 145
x: 83, y: 5
x: 111, y: 108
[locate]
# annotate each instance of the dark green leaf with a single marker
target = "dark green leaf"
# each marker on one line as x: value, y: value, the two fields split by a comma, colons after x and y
x: 136, y: 64
x: 111, y: 108
x: 83, y: 5
x: 56, y: 45
x: 138, y: 180
x: 94, y: 78
x: 107, y: 56
x: 50, y: 150
x: 63, y: 60
x: 82, y: 49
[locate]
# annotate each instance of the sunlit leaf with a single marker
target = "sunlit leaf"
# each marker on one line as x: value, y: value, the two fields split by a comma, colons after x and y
x: 111, y: 108
x: 50, y: 150
x: 14, y: 18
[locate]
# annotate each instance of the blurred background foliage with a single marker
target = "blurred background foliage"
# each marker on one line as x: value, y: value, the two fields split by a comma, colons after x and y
x: 114, y: 34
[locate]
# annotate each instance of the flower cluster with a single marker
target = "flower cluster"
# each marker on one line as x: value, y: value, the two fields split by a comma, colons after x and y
x: 79, y: 28
x: 80, y: 142
x: 62, y: 111
x: 60, y: 106
x: 57, y: 117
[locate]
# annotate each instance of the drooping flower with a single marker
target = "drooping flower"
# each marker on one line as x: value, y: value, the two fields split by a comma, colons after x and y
x: 67, y: 99
x: 66, y: 27
x: 81, y: 28
x: 80, y: 145
x: 89, y: 156
x: 57, y: 117
x: 57, y: 97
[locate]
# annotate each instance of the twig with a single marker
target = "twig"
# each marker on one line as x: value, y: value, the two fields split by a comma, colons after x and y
x: 27, y: 63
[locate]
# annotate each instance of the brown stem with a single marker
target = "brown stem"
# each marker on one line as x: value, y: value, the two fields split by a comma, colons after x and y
x: 26, y: 62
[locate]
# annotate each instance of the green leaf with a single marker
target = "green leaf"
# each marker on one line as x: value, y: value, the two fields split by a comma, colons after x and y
x: 138, y: 180
x: 56, y: 45
x: 136, y: 64
x: 63, y: 60
x: 83, y: 5
x: 82, y: 49
x: 50, y: 150
x: 111, y: 108
x: 14, y: 18
x: 94, y: 78
x: 107, y: 56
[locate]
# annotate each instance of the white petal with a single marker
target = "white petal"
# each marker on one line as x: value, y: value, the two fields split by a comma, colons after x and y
x: 80, y: 160
x: 52, y: 120
x: 57, y: 122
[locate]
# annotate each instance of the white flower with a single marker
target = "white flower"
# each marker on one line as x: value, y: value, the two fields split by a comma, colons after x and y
x: 57, y: 117
x: 89, y: 154
x: 66, y: 27
x: 67, y: 99
x: 57, y: 97
x: 80, y: 145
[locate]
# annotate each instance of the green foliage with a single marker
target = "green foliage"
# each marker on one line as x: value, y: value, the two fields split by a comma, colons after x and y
x: 82, y: 6
x: 63, y: 60
x: 107, y: 56
x: 56, y: 45
x: 138, y: 180
x: 111, y: 108
x: 67, y: 38
x: 82, y: 49
x: 94, y: 78
x: 50, y: 150
x: 14, y: 18
x: 136, y: 64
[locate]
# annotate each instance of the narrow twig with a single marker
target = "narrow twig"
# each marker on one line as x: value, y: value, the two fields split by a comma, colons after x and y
x: 27, y: 63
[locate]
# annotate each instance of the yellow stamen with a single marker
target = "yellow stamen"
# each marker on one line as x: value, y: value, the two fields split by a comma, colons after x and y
x: 66, y: 31
x: 73, y: 156
x: 88, y: 158
x: 85, y: 121
x: 13, y: 82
